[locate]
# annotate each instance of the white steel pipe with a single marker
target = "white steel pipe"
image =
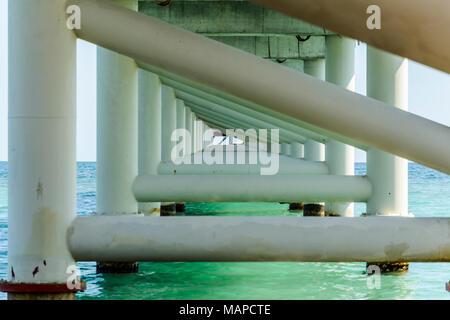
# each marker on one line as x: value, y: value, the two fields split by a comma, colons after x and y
x: 238, y: 73
x: 117, y: 128
x: 230, y: 101
x: 285, y: 148
x: 340, y: 70
x: 169, y: 122
x: 415, y: 29
x: 241, y: 123
x: 308, y: 239
x: 286, y: 166
x: 214, y: 109
x: 314, y: 150
x: 42, y: 142
x: 297, y: 150
x: 387, y: 80
x: 242, y: 114
x: 181, y: 114
x: 189, y: 125
x: 251, y: 188
x: 149, y: 130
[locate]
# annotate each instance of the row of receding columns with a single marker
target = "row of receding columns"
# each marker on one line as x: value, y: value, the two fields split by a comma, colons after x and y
x: 337, y: 68
x: 42, y: 142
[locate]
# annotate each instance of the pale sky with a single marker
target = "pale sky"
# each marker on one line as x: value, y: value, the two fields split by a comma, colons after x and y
x: 429, y: 93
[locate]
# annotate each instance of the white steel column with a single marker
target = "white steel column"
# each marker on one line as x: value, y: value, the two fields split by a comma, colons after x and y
x: 42, y: 149
x: 117, y: 129
x: 340, y: 70
x: 188, y: 125
x: 297, y: 150
x: 315, y: 151
x: 198, y: 135
x: 285, y: 149
x: 149, y: 131
x: 387, y: 80
x: 169, y: 124
x: 181, y: 124
x: 117, y: 137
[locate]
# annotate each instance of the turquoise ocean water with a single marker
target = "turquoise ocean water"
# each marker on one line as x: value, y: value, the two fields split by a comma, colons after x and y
x: 429, y: 196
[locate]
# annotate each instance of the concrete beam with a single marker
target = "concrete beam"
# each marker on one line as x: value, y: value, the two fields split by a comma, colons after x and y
x: 228, y: 18
x: 279, y: 47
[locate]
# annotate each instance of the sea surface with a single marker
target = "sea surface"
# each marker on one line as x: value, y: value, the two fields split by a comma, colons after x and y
x: 429, y: 196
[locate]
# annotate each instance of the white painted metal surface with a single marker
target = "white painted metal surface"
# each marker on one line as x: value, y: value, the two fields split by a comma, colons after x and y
x: 42, y: 141
x: 149, y: 130
x: 409, y: 28
x: 297, y: 150
x: 169, y: 122
x: 117, y: 128
x: 340, y: 70
x: 387, y: 80
x: 366, y: 239
x: 189, y: 125
x: 369, y: 121
x: 315, y: 151
x: 251, y: 188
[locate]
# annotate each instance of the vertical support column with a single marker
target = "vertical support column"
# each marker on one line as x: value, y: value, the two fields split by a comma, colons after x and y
x: 314, y: 151
x: 169, y: 123
x: 194, y: 133
x: 340, y: 70
x: 387, y: 81
x: 198, y: 135
x: 117, y: 138
x: 285, y: 149
x: 42, y: 150
x: 181, y: 124
x: 297, y: 150
x: 149, y: 131
x: 189, y: 125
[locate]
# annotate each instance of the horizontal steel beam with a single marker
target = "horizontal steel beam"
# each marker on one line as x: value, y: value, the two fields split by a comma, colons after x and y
x: 309, y: 239
x: 251, y: 188
x: 287, y: 166
x: 238, y: 73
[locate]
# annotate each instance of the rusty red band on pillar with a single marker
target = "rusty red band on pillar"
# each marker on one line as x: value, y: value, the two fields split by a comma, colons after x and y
x: 9, y: 287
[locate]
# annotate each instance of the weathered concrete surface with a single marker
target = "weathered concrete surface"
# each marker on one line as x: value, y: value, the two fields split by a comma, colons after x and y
x: 279, y: 47
x: 228, y: 18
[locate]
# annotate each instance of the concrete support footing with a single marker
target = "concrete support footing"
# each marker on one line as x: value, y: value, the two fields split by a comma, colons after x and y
x: 117, y: 267
x: 168, y: 210
x: 42, y: 296
x: 386, y: 267
x: 313, y: 210
x: 296, y: 206
x: 332, y: 214
x: 180, y: 207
